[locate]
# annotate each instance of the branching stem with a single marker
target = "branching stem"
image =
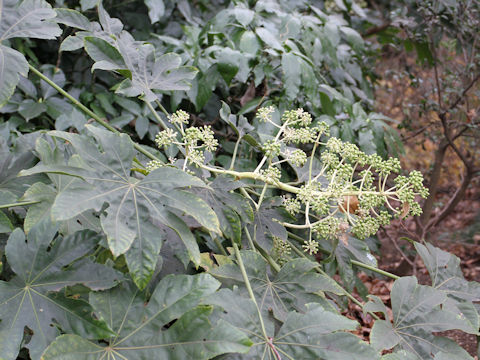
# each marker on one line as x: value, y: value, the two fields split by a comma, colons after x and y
x: 249, y: 289
x: 24, y: 203
x: 90, y: 113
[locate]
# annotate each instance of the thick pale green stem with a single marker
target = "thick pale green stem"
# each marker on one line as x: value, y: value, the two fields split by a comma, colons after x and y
x: 262, y: 195
x: 234, y: 156
x: 267, y: 257
x: 24, y: 203
x: 155, y: 115
x: 374, y: 269
x: 249, y: 289
x: 249, y: 238
x: 354, y: 262
x: 264, y: 159
x: 89, y: 112
x: 220, y: 246
x: 286, y: 187
x: 312, y: 157
x: 162, y: 108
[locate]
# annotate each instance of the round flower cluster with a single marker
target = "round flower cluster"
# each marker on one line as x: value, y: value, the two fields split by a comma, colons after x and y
x: 293, y: 135
x: 281, y: 250
x: 272, y: 148
x: 179, y: 117
x: 204, y: 135
x: 152, y: 165
x: 292, y: 205
x: 347, y: 172
x: 263, y: 114
x: 297, y: 157
x: 271, y: 174
x: 165, y: 137
x: 196, y: 141
x: 299, y: 116
x: 327, y: 227
x: 311, y: 246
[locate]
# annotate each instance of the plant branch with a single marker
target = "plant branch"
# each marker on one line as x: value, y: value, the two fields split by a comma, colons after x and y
x: 464, y: 92
x: 249, y: 288
x: 156, y: 116
x: 292, y: 189
x: 234, y: 156
x: 454, y: 200
x: 24, y: 203
x: 89, y: 112
x: 354, y: 262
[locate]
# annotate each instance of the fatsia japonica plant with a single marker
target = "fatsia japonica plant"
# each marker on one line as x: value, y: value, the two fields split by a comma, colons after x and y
x: 199, y: 248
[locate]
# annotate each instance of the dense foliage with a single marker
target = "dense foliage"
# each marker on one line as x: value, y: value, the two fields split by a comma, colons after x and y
x: 184, y: 181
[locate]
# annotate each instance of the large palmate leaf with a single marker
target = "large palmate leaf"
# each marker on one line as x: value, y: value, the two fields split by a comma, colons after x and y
x: 149, y: 72
x: 313, y: 335
x: 446, y: 274
x: 46, y: 194
x: 418, y: 311
x: 31, y: 299
x: 113, y: 48
x: 232, y: 209
x: 135, y: 207
x: 295, y: 284
x: 11, y: 163
x: 141, y: 332
x: 27, y: 18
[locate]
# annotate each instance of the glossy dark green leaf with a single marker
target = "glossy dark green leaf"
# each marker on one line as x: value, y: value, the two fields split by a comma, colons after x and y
x: 112, y: 26
x: 417, y: 313
x: 150, y: 72
x: 315, y: 334
x: 446, y: 275
x: 30, y: 299
x: 266, y: 223
x: 73, y: 18
x: 351, y: 249
x: 30, y: 109
x: 46, y: 194
x: 156, y: 9
x: 268, y: 38
x: 292, y: 74
x: 399, y: 355
x: 88, y: 4
x: 232, y: 210
x: 238, y: 123
x: 56, y: 75
x: 75, y: 119
x: 105, y: 55
x: 12, y: 65
x: 320, y: 334
x: 27, y: 18
x: 11, y: 163
x: 294, y: 286
x: 140, y: 329
x: 5, y: 223
x: 135, y: 206
x: 249, y: 43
